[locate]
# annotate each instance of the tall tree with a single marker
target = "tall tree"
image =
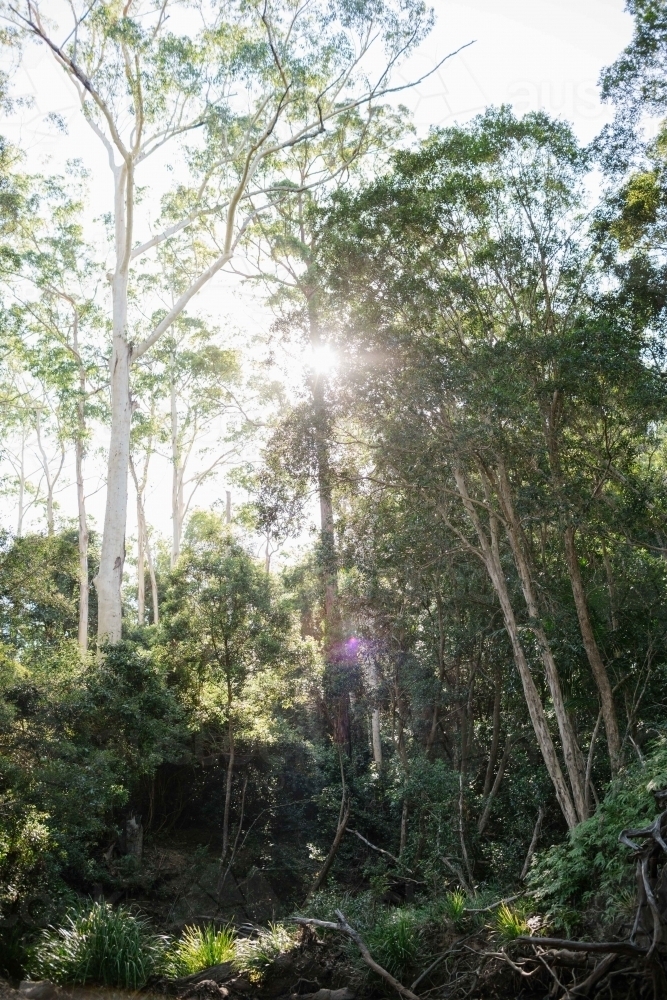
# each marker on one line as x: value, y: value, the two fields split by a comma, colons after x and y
x: 59, y: 334
x: 255, y: 80
x: 286, y: 243
x: 489, y: 282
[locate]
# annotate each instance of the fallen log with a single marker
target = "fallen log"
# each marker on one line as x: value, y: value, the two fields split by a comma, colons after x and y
x: 604, y: 947
x: 218, y: 974
x: 342, y: 927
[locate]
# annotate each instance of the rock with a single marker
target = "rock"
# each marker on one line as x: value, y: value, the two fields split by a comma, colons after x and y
x: 200, y: 902
x: 134, y: 837
x: 239, y: 985
x: 343, y: 994
x: 283, y: 962
x: 43, y: 990
x: 261, y: 902
x: 8, y: 992
x: 206, y: 989
x: 216, y: 974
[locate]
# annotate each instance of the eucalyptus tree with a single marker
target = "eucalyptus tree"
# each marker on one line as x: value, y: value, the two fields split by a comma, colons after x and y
x: 467, y: 277
x: 59, y: 336
x: 202, y: 380
x: 145, y: 438
x: 285, y: 243
x: 35, y: 441
x: 17, y: 209
x: 18, y: 428
x: 248, y: 82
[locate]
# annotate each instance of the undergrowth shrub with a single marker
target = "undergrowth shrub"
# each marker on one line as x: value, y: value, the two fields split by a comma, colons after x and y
x: 98, y: 944
x: 254, y: 955
x: 590, y: 877
x: 454, y: 907
x: 198, y: 948
x: 510, y: 924
x: 394, y: 941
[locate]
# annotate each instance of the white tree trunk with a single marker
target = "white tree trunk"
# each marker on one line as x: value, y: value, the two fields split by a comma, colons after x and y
x: 80, y: 446
x: 373, y: 685
x: 153, y: 578
x: 21, y: 511
x: 176, y: 482
x: 141, y: 570
x: 143, y: 549
x: 112, y: 557
x: 83, y: 543
x: 50, y: 480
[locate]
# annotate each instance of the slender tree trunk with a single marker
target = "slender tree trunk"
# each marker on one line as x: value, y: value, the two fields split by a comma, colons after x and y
x: 50, y: 482
x: 375, y: 712
x: 495, y: 736
x: 230, y: 770
x: 143, y: 548
x: 589, y: 762
x: 141, y: 569
x: 80, y: 453
x: 533, y: 843
x: 112, y: 556
x: 19, y: 524
x: 610, y: 587
x: 340, y: 830
x: 228, y: 507
x: 404, y: 827
x: 484, y: 818
x: 141, y: 545
x: 464, y: 852
x: 84, y: 592
x: 375, y: 733
x: 176, y: 482
x: 153, y: 579
x: 574, y: 761
x: 430, y: 742
x: 490, y: 554
x: 592, y: 652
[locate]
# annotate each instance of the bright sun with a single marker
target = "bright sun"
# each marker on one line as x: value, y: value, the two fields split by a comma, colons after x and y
x: 322, y: 359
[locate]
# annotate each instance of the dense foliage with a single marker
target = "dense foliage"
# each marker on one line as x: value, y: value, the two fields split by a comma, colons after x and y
x: 455, y: 692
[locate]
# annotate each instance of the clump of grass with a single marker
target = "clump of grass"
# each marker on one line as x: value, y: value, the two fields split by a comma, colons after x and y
x: 100, y: 945
x: 510, y: 924
x: 454, y: 907
x: 254, y: 955
x: 394, y: 942
x: 198, y: 948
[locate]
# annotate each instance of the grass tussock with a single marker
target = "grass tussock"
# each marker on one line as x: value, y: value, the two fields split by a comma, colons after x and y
x: 455, y: 906
x: 254, y: 955
x: 98, y: 944
x: 395, y: 942
x: 198, y: 948
x: 510, y: 924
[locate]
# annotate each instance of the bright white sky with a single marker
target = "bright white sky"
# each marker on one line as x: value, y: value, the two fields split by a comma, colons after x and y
x: 532, y: 54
